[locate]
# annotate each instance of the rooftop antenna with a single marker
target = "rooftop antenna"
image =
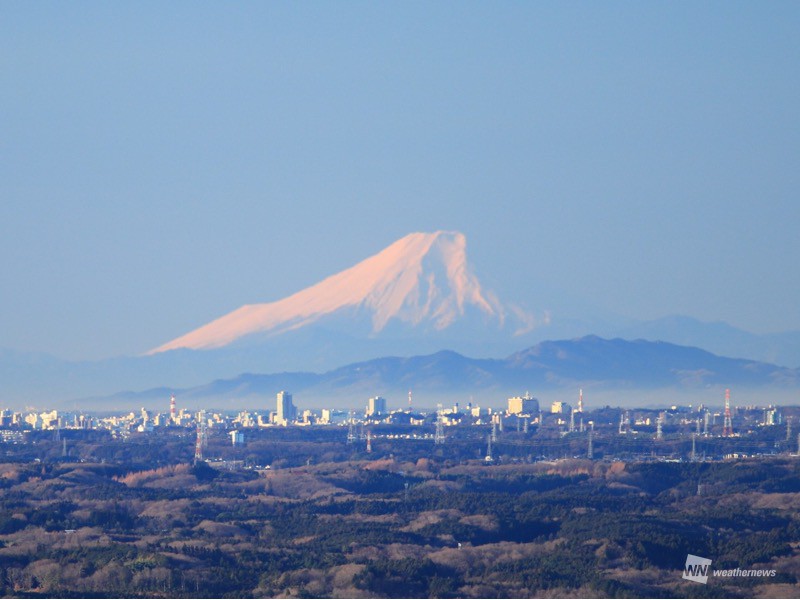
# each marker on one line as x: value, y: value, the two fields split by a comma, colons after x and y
x: 727, y: 428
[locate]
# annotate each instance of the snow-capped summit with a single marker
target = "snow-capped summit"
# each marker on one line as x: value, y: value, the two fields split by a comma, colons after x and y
x: 422, y: 281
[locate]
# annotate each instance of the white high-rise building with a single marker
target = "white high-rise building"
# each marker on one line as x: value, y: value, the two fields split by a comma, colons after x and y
x: 286, y: 413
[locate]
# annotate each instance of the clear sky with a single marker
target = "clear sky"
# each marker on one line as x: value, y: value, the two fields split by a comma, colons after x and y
x: 164, y: 163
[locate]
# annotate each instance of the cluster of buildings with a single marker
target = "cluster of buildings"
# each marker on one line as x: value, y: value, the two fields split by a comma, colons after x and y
x: 520, y: 412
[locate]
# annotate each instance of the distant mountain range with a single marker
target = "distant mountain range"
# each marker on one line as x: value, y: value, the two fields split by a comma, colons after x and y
x: 598, y: 365
x: 417, y: 297
x: 720, y: 338
x: 420, y: 294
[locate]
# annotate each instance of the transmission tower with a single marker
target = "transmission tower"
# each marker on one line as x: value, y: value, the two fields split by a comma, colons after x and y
x: 727, y: 428
x: 693, y: 456
x: 201, y: 436
x: 439, y: 437
x: 789, y: 429
x: 571, y: 421
x: 489, y: 449
x: 590, y: 451
x: 369, y: 441
x: 494, y: 430
x: 351, y: 432
x: 659, y: 432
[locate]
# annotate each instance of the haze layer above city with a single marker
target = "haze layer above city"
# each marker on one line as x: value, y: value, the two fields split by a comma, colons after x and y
x: 625, y: 173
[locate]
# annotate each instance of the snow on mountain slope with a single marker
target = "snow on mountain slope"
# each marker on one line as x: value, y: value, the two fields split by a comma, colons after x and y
x: 422, y: 280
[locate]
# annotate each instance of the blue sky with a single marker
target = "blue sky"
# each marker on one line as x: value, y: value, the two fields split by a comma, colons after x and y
x: 162, y: 164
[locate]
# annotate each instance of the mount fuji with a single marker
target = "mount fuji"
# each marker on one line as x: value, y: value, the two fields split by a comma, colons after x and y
x: 421, y: 286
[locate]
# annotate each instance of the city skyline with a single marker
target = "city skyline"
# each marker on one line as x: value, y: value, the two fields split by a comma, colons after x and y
x: 164, y: 166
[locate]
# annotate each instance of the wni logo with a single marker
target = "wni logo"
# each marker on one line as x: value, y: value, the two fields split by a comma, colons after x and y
x: 696, y: 568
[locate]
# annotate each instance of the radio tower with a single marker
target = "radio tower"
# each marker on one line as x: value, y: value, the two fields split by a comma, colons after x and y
x: 173, y: 412
x: 727, y: 428
x: 439, y: 437
x: 580, y: 401
x: 201, y: 437
x: 590, y: 451
x: 369, y: 441
x: 409, y: 400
